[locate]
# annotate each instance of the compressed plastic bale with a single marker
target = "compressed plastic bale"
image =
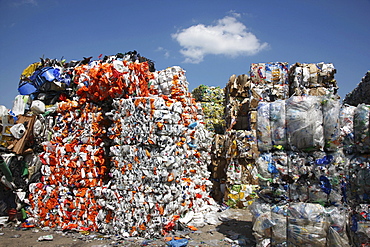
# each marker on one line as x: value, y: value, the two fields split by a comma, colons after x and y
x: 269, y: 73
x: 326, y: 187
x: 101, y: 81
x: 266, y: 168
x: 331, y: 109
x: 337, y: 218
x: 358, y: 187
x: 304, y: 123
x: 280, y: 160
x: 307, y: 224
x: 335, y: 239
x: 279, y: 228
x: 212, y: 112
x: 346, y: 119
x: 361, y: 128
x: 204, y: 93
x: 309, y: 211
x: 241, y: 143
x: 359, y: 94
x: 264, y: 140
x: 70, y: 164
x: 309, y: 235
x: 246, y: 143
x: 149, y: 156
x: 303, y: 77
x: 263, y: 93
x: 270, y: 81
x: 170, y: 81
x: 263, y: 223
x: 278, y: 123
x: 259, y: 207
x: 359, y: 224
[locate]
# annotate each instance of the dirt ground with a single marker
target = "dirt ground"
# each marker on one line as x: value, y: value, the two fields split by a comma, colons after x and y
x: 235, y: 229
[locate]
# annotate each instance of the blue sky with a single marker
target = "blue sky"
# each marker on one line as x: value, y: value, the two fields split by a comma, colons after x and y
x: 210, y: 39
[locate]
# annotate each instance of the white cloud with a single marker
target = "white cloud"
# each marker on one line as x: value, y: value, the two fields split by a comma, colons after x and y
x: 228, y: 37
x: 165, y: 51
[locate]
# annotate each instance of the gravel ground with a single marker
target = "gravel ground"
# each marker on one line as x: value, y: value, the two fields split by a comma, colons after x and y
x: 234, y: 230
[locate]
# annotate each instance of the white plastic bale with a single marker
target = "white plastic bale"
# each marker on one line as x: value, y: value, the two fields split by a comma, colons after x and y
x: 158, y: 166
x: 346, y: 118
x: 264, y: 140
x: 278, y: 123
x: 305, y: 123
x: 331, y: 124
x: 361, y: 128
x: 264, y: 164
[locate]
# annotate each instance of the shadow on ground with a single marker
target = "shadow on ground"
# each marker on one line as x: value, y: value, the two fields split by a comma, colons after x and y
x: 238, y: 230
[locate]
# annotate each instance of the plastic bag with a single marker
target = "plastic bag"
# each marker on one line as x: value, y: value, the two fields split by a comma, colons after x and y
x: 178, y: 242
x: 19, y: 104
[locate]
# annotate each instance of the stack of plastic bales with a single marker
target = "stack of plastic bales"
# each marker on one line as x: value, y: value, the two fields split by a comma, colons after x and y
x: 211, y: 100
x: 302, y: 166
x: 270, y: 81
x: 357, y: 186
x: 315, y: 79
x: 359, y: 95
x: 127, y: 153
x: 265, y: 82
x: 240, y: 141
x: 74, y: 166
x: 299, y: 224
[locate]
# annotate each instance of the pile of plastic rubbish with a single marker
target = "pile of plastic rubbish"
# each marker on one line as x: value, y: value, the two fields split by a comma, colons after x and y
x: 114, y: 146
x: 311, y: 150
x: 211, y: 100
x: 108, y: 145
